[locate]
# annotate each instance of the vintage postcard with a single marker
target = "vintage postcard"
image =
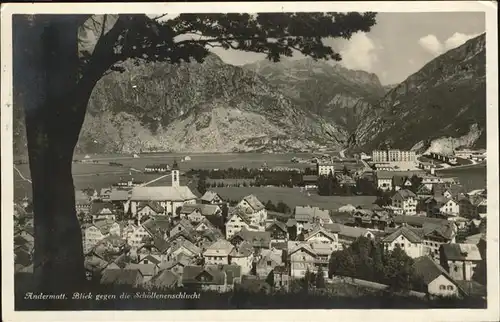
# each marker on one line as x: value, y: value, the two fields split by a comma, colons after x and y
x: 284, y: 161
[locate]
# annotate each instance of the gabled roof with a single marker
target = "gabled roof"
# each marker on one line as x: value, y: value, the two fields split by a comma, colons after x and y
x: 155, y: 206
x: 151, y: 259
x: 279, y: 224
x: 256, y: 238
x: 308, y: 213
x: 319, y: 230
x: 120, y: 276
x: 405, y: 194
x: 190, y: 274
x: 188, y: 245
x: 221, y: 247
x: 245, y: 249
x: 165, y: 193
x: 461, y: 252
x: 406, y: 232
x: 97, y: 207
x: 346, y: 231
x: 294, y: 246
x: 164, y: 279
x: 209, y: 196
x: 429, y: 270
x: 254, y: 203
x: 145, y: 269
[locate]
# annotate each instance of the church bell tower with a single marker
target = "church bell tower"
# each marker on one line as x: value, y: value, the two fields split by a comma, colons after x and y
x: 175, y: 174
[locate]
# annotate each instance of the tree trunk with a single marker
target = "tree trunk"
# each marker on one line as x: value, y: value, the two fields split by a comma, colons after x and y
x: 45, y: 84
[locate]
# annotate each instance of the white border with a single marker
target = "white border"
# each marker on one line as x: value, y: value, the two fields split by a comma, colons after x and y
x: 489, y: 8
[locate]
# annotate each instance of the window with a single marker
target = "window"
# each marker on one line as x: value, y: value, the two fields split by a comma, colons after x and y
x: 268, y: 263
x: 442, y: 287
x: 450, y: 288
x: 455, y: 269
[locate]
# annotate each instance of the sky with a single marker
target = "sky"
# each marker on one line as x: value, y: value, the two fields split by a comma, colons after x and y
x: 397, y: 46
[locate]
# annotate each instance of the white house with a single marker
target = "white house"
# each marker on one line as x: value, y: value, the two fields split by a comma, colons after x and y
x: 407, y: 240
x: 384, y: 180
x: 254, y: 210
x: 406, y: 200
x: 237, y: 221
x: 218, y: 253
x: 437, y: 281
x: 243, y: 256
x: 168, y: 197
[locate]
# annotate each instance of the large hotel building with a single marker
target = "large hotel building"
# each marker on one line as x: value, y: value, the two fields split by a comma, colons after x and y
x: 393, y: 155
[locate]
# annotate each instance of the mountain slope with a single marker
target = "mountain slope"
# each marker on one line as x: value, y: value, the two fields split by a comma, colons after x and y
x: 330, y: 91
x: 207, y: 107
x: 446, y: 98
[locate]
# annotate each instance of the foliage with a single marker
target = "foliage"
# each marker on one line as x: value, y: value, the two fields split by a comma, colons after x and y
x: 383, y: 198
x: 270, y: 278
x: 367, y: 259
x: 416, y: 181
x: 202, y: 185
x: 320, y: 278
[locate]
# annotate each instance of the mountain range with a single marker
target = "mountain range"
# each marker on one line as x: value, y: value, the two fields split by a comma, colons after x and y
x: 292, y: 105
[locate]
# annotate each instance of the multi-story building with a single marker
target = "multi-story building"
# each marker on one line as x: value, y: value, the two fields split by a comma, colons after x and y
x: 406, y: 200
x: 325, y: 168
x: 379, y: 156
x: 393, y: 155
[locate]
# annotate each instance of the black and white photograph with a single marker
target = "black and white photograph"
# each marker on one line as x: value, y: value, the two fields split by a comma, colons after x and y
x: 280, y: 157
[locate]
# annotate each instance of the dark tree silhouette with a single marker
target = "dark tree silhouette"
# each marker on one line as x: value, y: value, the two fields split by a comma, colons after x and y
x: 59, y: 60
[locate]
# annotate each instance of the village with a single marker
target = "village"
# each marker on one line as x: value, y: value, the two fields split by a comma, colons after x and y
x: 171, y: 237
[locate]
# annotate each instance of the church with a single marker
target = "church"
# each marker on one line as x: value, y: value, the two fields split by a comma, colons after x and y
x: 168, y: 197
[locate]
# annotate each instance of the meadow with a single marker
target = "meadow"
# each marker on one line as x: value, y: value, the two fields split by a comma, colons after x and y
x: 294, y: 197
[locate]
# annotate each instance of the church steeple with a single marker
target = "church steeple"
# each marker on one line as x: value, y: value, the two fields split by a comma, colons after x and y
x: 175, y: 174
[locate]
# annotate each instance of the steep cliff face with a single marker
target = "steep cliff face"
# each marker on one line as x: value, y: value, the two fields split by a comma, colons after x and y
x: 331, y: 91
x: 205, y: 107
x: 446, y: 98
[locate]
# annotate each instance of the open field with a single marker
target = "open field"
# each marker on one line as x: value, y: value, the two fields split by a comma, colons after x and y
x: 294, y: 197
x: 207, y: 161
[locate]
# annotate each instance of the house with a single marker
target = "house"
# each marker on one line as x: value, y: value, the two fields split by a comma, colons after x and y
x: 168, y: 197
x: 147, y: 270
x: 278, y: 231
x: 164, y: 279
x: 308, y: 214
x: 435, y: 278
x: 406, y: 200
x: 242, y: 256
x: 211, y: 198
x: 368, y: 218
x: 281, y: 278
x: 197, y: 212
x: 255, y: 210
x: 301, y: 258
x: 177, y: 265
x: 459, y: 260
x: 182, y: 226
x: 82, y: 202
x: 401, y: 182
x: 120, y: 197
x: 237, y: 221
x: 347, y: 234
x: 310, y: 182
x: 184, y: 247
x: 102, y: 211
x: 325, y: 168
x: 131, y: 277
x: 407, y: 240
x: 218, y: 252
x: 105, y: 194
x: 269, y: 260
x: 91, y: 235
x: 424, y: 192
x: 209, y: 277
x: 258, y: 239
x: 442, y: 207
x: 384, y: 180
x: 151, y: 208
